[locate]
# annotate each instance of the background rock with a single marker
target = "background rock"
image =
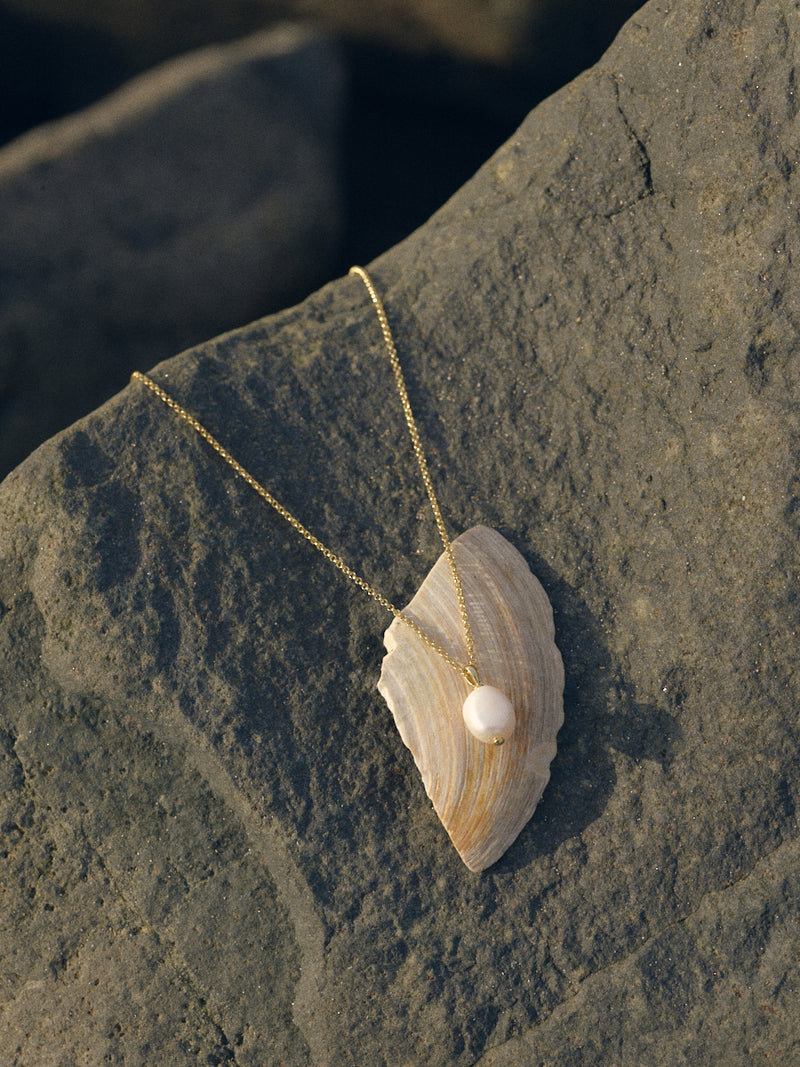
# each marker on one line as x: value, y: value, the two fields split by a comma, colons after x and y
x: 216, y: 847
x: 422, y: 113
x: 201, y: 194
x: 528, y: 33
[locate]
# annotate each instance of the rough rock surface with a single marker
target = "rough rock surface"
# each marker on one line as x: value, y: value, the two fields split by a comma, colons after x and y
x: 216, y: 849
x: 179, y: 207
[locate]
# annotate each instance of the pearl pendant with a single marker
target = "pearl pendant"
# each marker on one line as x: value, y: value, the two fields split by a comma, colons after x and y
x: 483, y: 795
x: 489, y: 715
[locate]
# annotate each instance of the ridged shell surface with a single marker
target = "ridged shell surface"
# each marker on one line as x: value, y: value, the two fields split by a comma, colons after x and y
x: 483, y: 794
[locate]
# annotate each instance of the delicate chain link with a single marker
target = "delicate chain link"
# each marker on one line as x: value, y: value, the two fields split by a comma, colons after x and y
x: 469, y: 670
x: 418, y: 452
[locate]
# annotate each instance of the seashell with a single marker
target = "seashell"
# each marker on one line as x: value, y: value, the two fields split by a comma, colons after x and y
x: 484, y: 794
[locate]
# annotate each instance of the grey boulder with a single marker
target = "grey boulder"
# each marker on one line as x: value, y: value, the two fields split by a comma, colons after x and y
x: 179, y: 207
x: 216, y: 848
x: 542, y: 33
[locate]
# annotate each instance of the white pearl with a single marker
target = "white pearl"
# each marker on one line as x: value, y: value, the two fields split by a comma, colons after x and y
x: 489, y: 714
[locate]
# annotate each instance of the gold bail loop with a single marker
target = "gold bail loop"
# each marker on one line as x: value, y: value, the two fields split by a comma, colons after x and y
x: 470, y: 672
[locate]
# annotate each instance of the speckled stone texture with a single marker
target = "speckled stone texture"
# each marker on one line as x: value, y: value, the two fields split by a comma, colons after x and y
x: 179, y: 207
x: 215, y: 847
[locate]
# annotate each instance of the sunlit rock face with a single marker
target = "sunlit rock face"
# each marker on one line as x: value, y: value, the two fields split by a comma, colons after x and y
x: 206, y: 804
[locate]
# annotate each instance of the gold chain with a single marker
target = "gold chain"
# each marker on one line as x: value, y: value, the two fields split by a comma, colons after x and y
x: 469, y: 671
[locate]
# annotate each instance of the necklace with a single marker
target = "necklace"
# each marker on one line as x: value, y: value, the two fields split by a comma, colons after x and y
x: 470, y: 659
x: 488, y: 713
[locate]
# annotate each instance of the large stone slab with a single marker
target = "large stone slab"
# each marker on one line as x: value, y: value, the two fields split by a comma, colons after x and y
x: 178, y: 207
x: 216, y: 848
